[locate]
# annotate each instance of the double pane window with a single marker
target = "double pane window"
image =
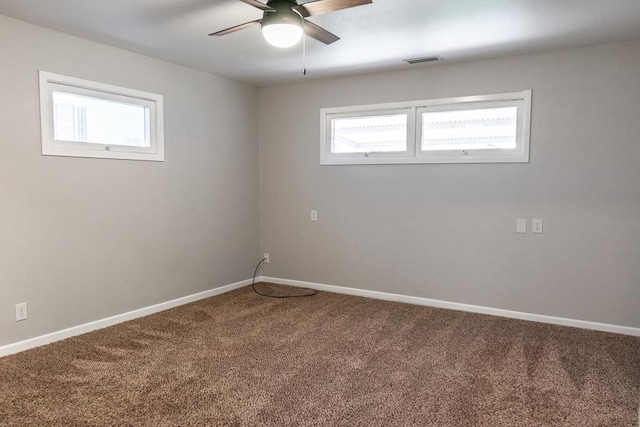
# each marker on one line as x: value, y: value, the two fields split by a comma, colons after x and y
x: 477, y: 129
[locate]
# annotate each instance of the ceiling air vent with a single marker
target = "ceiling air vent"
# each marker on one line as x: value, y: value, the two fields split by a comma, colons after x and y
x: 414, y: 61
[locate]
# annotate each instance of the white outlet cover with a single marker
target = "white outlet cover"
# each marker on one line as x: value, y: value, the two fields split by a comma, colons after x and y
x: 536, y: 226
x: 521, y: 226
x: 21, y: 311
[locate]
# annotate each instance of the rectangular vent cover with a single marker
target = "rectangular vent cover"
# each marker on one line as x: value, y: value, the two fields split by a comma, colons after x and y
x: 414, y: 61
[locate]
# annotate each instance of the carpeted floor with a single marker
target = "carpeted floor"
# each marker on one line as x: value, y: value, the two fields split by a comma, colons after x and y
x: 239, y: 359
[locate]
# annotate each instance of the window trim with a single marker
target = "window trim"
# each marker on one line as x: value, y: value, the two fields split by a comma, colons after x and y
x: 374, y: 156
x: 518, y: 155
x: 50, y: 82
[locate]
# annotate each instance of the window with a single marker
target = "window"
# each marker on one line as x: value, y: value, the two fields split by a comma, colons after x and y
x: 382, y: 134
x: 474, y: 129
x: 80, y: 118
x: 372, y: 134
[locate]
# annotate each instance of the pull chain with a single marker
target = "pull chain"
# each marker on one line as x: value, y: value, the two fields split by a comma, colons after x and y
x: 304, y: 44
x: 304, y: 53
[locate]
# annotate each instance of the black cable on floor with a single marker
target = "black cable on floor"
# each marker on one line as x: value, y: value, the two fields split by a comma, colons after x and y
x: 311, y: 292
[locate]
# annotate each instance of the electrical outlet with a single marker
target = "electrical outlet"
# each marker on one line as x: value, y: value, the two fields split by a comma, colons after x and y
x: 266, y: 258
x: 21, y: 311
x: 536, y: 226
x: 314, y: 215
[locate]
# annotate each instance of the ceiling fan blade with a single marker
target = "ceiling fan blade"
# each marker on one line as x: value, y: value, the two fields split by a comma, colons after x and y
x: 324, y: 6
x: 236, y: 28
x: 319, y: 33
x: 257, y: 4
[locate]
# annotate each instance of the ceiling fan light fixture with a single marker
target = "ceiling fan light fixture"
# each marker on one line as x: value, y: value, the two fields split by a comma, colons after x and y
x: 282, y: 27
x: 288, y: 19
x: 282, y: 35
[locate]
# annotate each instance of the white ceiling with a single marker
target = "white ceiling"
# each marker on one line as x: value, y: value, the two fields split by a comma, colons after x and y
x: 374, y: 37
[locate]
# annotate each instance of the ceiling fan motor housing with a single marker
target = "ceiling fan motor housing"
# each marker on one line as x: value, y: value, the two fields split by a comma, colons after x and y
x: 282, y: 13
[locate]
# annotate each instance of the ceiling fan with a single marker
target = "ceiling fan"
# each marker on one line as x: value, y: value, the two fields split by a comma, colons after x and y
x: 283, y: 22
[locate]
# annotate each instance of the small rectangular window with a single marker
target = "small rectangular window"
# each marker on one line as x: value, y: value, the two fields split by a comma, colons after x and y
x: 474, y: 129
x: 469, y: 129
x: 376, y: 135
x: 81, y: 118
x: 371, y: 134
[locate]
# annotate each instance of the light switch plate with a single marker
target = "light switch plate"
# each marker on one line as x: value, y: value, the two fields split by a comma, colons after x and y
x: 521, y: 226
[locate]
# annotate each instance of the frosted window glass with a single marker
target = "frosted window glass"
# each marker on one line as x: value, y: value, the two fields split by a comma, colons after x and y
x: 487, y: 128
x: 80, y: 118
x: 372, y: 134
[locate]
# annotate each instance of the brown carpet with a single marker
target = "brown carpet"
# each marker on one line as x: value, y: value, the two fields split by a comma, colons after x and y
x: 239, y: 359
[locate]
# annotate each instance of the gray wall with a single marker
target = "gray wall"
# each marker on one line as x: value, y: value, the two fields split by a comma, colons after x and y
x: 83, y: 239
x: 448, y: 231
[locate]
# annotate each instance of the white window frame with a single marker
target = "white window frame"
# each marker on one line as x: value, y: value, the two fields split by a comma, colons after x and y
x: 50, y: 82
x: 372, y: 157
x: 415, y: 154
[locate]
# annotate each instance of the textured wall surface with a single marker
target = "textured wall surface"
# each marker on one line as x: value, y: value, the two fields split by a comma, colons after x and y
x: 448, y: 231
x: 83, y: 239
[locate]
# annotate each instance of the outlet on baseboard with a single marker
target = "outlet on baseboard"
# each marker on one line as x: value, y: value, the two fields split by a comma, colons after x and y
x: 21, y: 311
x: 266, y: 258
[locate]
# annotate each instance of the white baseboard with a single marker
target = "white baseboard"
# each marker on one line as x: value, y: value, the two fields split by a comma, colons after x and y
x: 120, y: 318
x: 604, y: 327
x: 113, y: 320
